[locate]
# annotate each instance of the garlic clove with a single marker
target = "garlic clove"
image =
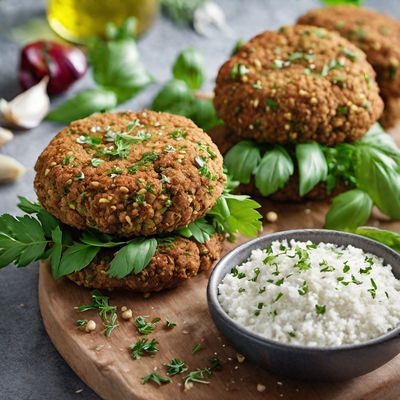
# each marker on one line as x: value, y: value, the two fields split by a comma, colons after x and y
x: 10, y: 169
x: 28, y: 109
x: 5, y: 136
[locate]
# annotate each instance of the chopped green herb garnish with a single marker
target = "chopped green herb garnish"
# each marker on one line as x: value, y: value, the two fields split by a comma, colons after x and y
x: 304, y: 289
x: 144, y: 327
x: 238, y: 70
x: 143, y: 346
x: 176, y: 366
x: 96, y: 162
x: 271, y: 104
x: 178, y: 134
x: 196, y: 348
x: 67, y: 160
x: 199, y: 376
x: 320, y: 309
x: 215, y: 363
x: 279, y: 296
x: 349, y: 54
x: 156, y: 378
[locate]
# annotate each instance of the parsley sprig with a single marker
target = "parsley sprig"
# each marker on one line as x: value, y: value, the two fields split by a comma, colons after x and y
x: 144, y: 327
x: 176, y: 366
x: 143, y: 346
x: 107, y: 313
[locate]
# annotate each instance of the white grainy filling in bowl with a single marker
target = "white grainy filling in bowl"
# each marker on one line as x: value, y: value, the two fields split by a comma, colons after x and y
x: 314, y: 295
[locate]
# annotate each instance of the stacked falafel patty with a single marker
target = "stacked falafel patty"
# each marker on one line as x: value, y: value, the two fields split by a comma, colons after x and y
x: 289, y: 100
x: 145, y: 178
x: 378, y: 35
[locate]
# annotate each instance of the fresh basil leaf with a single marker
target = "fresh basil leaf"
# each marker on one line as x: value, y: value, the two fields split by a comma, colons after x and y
x: 75, y: 258
x: 22, y: 240
x: 27, y: 206
x: 116, y: 66
x: 378, y: 175
x: 312, y: 164
x: 349, y: 210
x: 133, y: 257
x: 174, y: 97
x: 189, y: 67
x: 83, y: 104
x: 274, y: 170
x: 242, y: 160
x: 389, y: 238
x: 56, y: 250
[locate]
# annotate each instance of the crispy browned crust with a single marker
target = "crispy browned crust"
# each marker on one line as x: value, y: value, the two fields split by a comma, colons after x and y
x: 291, y: 104
x: 391, y: 114
x: 169, y: 267
x: 225, y: 139
x: 161, y: 196
x: 378, y: 35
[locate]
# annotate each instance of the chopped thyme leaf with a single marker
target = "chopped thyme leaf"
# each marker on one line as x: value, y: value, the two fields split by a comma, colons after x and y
x: 96, y: 162
x: 156, y: 378
x: 349, y: 54
x: 67, y: 160
x: 79, y: 177
x: 304, y: 289
x: 238, y: 70
x: 143, y: 346
x: 176, y: 366
x: 271, y: 104
x: 278, y: 297
x: 320, y: 309
x: 143, y: 327
x: 196, y: 348
x: 178, y: 134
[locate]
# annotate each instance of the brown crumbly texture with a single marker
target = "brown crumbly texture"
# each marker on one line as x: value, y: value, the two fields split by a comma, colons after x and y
x: 378, y: 35
x: 225, y: 139
x: 160, y: 186
x: 391, y: 114
x: 297, y: 84
x: 170, y: 266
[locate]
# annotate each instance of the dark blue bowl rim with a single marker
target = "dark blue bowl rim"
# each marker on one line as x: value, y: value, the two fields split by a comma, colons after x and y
x: 216, y: 278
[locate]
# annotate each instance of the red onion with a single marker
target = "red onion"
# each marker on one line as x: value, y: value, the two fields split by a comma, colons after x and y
x: 62, y: 64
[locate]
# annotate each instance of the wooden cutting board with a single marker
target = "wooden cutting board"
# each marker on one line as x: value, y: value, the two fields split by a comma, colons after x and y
x: 106, y: 366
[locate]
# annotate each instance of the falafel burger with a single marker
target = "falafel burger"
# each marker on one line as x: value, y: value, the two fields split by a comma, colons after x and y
x: 378, y: 35
x: 128, y: 200
x: 300, y: 107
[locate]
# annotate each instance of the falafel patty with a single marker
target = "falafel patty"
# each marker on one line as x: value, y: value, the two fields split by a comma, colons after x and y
x: 174, y: 262
x: 297, y: 84
x: 130, y: 173
x: 378, y: 35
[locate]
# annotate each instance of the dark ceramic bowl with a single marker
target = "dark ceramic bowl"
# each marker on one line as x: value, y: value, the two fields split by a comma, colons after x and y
x: 332, y: 363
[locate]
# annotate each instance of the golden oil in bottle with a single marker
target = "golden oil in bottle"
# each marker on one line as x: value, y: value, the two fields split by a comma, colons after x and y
x: 77, y: 20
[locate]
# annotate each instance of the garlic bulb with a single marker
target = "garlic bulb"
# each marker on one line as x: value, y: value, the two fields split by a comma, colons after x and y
x: 10, y: 169
x: 5, y: 136
x: 28, y: 109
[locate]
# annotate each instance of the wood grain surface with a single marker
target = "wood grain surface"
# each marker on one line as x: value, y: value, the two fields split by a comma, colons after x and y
x: 106, y: 366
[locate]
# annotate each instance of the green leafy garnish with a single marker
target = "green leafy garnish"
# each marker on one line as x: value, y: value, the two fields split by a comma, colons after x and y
x: 199, y: 376
x: 176, y: 366
x: 156, y: 378
x: 144, y: 327
x: 320, y: 309
x: 107, y: 313
x: 389, y: 238
x: 196, y: 348
x: 349, y: 210
x: 143, y: 346
x: 337, y: 2
x: 117, y: 72
x: 169, y: 324
x: 242, y: 159
x: 274, y: 170
x: 312, y: 165
x: 189, y: 67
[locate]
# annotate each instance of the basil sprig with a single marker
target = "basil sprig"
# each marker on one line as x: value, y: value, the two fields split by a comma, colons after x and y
x: 370, y: 166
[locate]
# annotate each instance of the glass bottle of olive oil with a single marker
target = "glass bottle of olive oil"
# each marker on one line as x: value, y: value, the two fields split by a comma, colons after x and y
x: 76, y: 20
